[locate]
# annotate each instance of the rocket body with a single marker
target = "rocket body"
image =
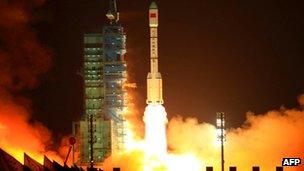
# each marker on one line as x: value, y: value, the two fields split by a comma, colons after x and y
x: 154, y: 79
x: 155, y: 116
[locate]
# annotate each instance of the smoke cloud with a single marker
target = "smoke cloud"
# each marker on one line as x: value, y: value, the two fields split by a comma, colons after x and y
x: 263, y: 140
x: 23, y: 60
x: 128, y: 161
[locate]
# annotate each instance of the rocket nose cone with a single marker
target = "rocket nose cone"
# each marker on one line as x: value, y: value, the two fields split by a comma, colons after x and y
x: 153, y: 5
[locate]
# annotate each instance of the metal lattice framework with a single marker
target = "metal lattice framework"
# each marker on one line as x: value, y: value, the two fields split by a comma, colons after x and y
x: 102, y: 128
x: 114, y: 79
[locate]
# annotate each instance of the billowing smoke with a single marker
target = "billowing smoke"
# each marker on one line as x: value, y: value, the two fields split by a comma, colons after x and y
x: 18, y: 135
x: 22, y: 58
x: 128, y: 161
x: 22, y: 61
x: 263, y: 140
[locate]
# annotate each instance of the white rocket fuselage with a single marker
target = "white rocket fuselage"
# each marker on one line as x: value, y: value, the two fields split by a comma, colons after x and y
x: 154, y: 79
x: 155, y: 116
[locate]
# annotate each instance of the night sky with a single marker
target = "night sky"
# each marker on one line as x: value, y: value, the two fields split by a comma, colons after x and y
x: 233, y: 56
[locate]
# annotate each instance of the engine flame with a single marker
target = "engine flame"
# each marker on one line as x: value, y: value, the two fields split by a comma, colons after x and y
x: 156, y: 156
x: 155, y: 119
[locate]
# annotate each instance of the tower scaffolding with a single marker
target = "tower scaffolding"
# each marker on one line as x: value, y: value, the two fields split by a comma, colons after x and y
x: 101, y: 131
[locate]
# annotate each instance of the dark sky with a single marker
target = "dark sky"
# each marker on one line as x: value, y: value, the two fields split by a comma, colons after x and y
x: 233, y: 56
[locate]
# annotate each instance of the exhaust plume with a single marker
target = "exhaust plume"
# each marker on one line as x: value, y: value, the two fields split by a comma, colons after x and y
x: 263, y: 140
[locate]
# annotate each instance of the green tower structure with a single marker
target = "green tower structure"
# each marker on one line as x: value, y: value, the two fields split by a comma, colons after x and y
x: 101, y: 131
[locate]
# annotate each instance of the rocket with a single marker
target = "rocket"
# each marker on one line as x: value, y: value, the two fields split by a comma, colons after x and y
x: 154, y: 79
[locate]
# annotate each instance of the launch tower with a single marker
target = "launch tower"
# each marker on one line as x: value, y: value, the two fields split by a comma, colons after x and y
x: 102, y: 128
